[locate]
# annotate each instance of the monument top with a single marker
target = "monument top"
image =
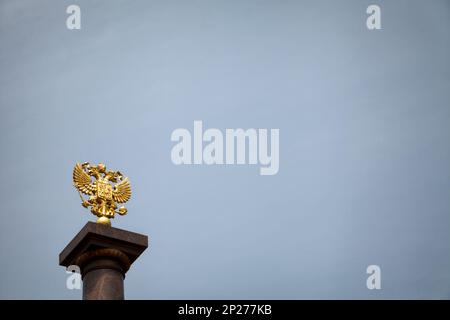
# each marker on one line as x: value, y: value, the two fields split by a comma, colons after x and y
x: 94, y: 236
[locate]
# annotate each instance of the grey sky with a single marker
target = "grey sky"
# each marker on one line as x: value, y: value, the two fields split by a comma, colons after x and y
x: 364, y: 119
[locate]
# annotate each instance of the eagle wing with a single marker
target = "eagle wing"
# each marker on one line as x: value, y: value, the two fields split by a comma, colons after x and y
x: 82, y: 181
x: 122, y: 191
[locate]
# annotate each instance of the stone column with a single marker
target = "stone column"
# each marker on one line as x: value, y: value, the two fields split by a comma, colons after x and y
x: 104, y: 254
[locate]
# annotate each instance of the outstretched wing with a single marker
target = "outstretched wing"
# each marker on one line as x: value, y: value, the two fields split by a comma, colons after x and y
x: 82, y: 181
x: 122, y: 191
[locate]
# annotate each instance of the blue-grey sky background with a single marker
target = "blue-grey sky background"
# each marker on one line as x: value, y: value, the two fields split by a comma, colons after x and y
x: 364, y: 119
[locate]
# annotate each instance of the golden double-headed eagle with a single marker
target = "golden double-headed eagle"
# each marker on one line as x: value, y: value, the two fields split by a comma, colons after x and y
x: 102, y: 194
